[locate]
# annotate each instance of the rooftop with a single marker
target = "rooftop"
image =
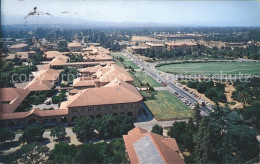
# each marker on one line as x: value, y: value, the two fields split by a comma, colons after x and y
x: 11, y: 98
x: 53, y: 54
x: 123, y: 93
x: 39, y: 85
x: 19, y: 45
x: 83, y: 82
x: 144, y: 147
x: 112, y: 71
x: 155, y: 44
x: 90, y: 69
x: 74, y: 44
x: 180, y: 44
x: 48, y: 74
x: 38, y: 112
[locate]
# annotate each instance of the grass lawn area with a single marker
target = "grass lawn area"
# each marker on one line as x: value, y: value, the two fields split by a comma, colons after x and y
x: 126, y: 62
x: 166, y: 106
x: 212, y: 68
x: 114, y: 55
x: 144, y: 78
x: 145, y: 94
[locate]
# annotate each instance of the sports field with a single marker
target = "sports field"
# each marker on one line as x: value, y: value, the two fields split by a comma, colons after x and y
x: 166, y: 106
x: 230, y: 68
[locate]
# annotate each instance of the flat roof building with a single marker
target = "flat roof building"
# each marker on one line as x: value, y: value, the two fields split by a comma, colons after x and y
x: 156, y: 46
x: 74, y: 47
x: 19, y: 48
x: 181, y: 46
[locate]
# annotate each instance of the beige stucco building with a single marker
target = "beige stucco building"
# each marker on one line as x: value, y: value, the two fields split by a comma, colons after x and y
x: 19, y: 48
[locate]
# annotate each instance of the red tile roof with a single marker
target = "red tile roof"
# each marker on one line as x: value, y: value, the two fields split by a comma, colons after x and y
x: 14, y: 97
x: 123, y: 93
x: 39, y: 85
x: 38, y: 112
x: 83, y: 82
x: 167, y: 147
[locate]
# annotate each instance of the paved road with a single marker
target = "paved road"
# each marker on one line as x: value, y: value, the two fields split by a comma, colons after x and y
x: 161, y: 77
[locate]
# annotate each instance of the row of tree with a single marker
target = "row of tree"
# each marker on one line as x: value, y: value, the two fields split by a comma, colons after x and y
x: 108, y: 126
x: 104, y: 152
x: 245, y: 93
x: 214, y: 91
x: 10, y: 74
x: 221, y: 137
x: 86, y: 129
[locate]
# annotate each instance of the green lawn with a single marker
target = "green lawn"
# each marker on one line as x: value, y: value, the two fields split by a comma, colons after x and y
x: 119, y: 55
x: 126, y: 62
x: 212, y: 68
x: 144, y: 78
x: 166, y: 106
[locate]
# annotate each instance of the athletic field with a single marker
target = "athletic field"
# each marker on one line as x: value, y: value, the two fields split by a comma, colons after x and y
x: 229, y: 68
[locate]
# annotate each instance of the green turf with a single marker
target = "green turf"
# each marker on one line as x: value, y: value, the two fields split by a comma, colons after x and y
x: 126, y: 62
x: 166, y: 106
x: 119, y: 55
x: 144, y: 78
x: 229, y: 68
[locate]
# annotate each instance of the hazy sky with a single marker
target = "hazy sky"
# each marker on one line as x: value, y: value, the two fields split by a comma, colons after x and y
x: 205, y: 13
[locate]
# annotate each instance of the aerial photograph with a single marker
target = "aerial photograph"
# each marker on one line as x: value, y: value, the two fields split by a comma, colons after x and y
x: 130, y: 82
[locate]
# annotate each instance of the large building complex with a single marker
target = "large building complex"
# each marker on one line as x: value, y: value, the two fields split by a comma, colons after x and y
x: 74, y: 47
x: 181, y: 46
x: 19, y: 48
x: 117, y: 97
x: 103, y: 88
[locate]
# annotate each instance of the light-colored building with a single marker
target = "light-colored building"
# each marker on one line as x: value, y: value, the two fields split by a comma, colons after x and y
x: 96, y: 54
x: 156, y: 46
x: 110, y: 72
x: 49, y: 55
x: 139, y: 49
x: 74, y: 47
x: 19, y: 48
x: 181, y: 46
x: 143, y: 147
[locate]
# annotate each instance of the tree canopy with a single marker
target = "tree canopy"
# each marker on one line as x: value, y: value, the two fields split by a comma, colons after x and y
x: 33, y: 133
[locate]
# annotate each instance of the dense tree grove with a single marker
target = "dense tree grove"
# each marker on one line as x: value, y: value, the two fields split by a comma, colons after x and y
x: 108, y: 126
x: 63, y: 46
x: 247, y: 92
x: 157, y: 129
x: 219, y: 138
x: 113, y: 152
x: 111, y: 126
x: 76, y: 58
x: 58, y: 132
x: 10, y: 74
x: 69, y: 74
x: 84, y: 128
x: 34, y: 98
x: 28, y: 153
x: 214, y: 91
x: 33, y: 133
x: 6, y: 134
x: 59, y: 98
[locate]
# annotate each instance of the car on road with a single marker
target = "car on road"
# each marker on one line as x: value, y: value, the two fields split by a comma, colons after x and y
x: 163, y: 84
